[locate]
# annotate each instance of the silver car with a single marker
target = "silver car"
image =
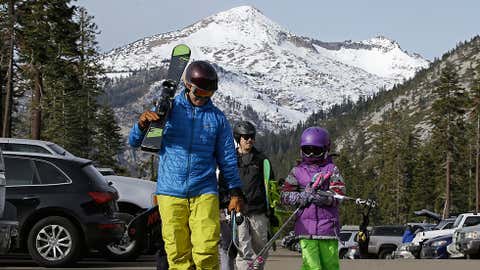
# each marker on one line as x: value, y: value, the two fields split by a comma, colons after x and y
x: 346, y: 239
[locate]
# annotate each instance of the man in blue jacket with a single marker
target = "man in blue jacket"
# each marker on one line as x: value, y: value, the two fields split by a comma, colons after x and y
x: 197, y: 137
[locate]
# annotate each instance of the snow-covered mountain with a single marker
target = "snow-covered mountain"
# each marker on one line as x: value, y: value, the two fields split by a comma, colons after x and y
x: 282, y: 77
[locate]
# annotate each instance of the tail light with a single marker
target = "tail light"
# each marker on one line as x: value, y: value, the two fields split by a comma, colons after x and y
x: 102, y: 197
x: 154, y: 199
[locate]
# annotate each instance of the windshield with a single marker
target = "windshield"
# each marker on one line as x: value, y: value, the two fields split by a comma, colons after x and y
x: 344, y: 236
x: 457, y: 221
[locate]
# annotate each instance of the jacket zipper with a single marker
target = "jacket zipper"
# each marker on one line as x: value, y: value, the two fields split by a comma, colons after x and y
x: 190, y: 149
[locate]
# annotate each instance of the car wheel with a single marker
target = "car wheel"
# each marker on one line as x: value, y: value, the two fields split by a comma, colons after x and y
x: 126, y: 248
x: 341, y: 253
x: 54, y: 242
x: 386, y: 253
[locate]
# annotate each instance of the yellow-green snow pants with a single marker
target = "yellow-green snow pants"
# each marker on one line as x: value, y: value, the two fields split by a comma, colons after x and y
x: 191, y: 231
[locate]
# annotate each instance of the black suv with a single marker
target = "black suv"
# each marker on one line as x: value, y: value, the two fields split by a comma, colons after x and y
x: 64, y: 206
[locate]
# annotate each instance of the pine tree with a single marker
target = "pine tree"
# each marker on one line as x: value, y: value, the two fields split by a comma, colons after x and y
x: 107, y: 139
x: 447, y: 119
x: 475, y: 115
x: 46, y: 44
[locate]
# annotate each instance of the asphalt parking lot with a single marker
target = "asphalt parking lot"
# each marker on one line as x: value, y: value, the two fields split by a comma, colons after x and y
x: 280, y: 260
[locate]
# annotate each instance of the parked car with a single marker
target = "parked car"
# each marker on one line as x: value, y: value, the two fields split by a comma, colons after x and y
x: 384, y: 240
x: 436, y: 248
x: 8, y: 215
x: 346, y: 239
x: 135, y: 196
x: 468, y: 241
x: 403, y: 250
x: 65, y: 206
x: 463, y: 220
x: 32, y: 146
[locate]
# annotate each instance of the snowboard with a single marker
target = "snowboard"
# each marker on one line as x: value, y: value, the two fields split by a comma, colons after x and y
x: 178, y: 61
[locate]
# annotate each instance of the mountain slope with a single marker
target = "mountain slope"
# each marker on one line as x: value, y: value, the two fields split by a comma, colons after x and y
x: 278, y: 76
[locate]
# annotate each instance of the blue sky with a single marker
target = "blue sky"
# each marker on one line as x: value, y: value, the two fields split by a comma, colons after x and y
x: 428, y: 27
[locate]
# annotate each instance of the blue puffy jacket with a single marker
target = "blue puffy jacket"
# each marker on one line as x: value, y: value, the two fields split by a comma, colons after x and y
x: 195, y: 141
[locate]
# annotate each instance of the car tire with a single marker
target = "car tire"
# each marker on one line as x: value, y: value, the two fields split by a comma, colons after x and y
x: 386, y: 253
x: 342, y: 252
x: 127, y: 249
x: 54, y: 242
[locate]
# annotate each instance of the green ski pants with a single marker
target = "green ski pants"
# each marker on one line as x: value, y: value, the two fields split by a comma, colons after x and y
x: 320, y: 254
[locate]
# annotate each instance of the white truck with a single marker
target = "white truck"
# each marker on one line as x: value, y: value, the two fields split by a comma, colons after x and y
x: 463, y: 220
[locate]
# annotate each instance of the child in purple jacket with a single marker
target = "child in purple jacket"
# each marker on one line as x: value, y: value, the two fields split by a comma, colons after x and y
x: 317, y: 226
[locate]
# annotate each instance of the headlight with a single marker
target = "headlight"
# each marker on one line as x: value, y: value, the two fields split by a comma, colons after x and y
x: 439, y: 243
x: 472, y: 235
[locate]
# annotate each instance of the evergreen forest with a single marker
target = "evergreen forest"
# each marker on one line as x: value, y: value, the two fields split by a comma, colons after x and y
x: 50, y: 79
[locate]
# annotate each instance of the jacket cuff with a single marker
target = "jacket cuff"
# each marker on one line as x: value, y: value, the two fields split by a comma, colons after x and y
x: 236, y: 192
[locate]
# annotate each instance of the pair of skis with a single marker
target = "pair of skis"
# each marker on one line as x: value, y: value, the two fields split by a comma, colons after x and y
x: 178, y: 61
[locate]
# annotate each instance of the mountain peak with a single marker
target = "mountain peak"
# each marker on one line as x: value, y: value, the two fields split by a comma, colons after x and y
x: 242, y: 11
x: 382, y: 42
x: 246, y: 19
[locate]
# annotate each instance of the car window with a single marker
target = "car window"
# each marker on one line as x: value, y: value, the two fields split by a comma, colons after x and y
x: 344, y: 236
x: 457, y: 221
x: 449, y: 225
x: 471, y: 221
x: 49, y: 174
x: 20, y: 172
x: 388, y: 231
x: 18, y: 147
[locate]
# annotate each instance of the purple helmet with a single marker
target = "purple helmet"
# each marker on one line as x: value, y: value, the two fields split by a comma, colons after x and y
x: 316, y: 136
x: 315, y: 144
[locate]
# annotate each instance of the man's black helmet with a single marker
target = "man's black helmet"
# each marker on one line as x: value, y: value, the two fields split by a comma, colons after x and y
x: 243, y: 128
x: 202, y: 75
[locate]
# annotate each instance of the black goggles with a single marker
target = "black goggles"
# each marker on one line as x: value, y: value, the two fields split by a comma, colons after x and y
x: 248, y: 136
x: 313, y: 151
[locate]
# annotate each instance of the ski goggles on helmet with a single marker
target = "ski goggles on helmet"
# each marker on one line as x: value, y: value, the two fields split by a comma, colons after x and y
x: 199, y: 92
x: 248, y: 136
x: 313, y: 151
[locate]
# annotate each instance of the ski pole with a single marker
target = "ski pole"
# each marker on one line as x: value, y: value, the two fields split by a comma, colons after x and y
x: 358, y: 201
x: 258, y: 261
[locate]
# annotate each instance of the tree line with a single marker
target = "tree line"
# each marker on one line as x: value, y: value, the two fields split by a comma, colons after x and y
x: 50, y: 79
x: 419, y: 151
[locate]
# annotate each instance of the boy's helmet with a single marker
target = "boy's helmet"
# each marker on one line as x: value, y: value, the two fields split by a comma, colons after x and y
x: 243, y: 128
x: 315, y: 136
x: 202, y: 75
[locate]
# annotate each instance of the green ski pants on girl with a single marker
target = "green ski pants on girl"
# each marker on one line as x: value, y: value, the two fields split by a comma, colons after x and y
x: 320, y: 254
